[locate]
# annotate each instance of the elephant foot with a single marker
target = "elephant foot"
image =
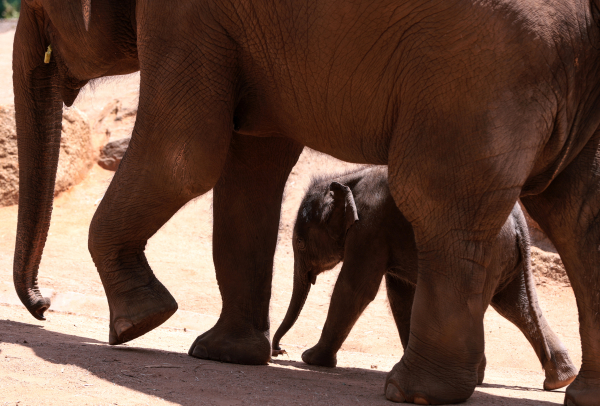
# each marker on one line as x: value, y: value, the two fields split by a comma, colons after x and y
x: 560, y: 371
x: 583, y: 392
x: 142, y: 309
x: 316, y: 356
x: 238, y: 346
x: 481, y: 370
x: 414, y: 383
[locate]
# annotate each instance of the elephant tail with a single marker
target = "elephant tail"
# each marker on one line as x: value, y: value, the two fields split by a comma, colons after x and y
x: 525, y: 249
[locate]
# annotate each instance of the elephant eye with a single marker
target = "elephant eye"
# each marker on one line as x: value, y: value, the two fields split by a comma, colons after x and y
x: 300, y: 244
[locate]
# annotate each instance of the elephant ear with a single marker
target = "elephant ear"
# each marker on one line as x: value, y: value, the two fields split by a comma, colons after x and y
x: 342, y: 214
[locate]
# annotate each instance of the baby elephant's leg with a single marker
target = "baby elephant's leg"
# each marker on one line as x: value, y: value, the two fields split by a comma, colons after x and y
x: 355, y: 288
x: 401, y: 295
x: 523, y: 311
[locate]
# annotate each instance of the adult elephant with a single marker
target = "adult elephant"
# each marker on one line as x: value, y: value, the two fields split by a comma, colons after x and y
x: 472, y: 104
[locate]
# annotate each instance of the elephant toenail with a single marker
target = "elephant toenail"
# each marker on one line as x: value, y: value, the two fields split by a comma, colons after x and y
x: 121, y: 326
x: 112, y: 338
x: 420, y: 401
x: 199, y: 352
x: 392, y: 393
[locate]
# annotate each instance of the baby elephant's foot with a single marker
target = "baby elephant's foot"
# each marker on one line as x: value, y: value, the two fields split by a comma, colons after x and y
x: 236, y: 345
x: 583, y: 392
x: 138, y: 311
x: 560, y: 371
x: 317, y: 356
x: 276, y: 352
x: 414, y: 383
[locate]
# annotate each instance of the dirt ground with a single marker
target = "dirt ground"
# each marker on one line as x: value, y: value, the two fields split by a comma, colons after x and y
x: 66, y: 360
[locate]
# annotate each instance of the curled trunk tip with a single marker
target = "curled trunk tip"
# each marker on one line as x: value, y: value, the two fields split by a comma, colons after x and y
x: 36, y: 303
x: 299, y: 295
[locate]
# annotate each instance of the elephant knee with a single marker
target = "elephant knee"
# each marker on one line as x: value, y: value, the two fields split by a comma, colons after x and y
x: 102, y: 244
x: 95, y: 247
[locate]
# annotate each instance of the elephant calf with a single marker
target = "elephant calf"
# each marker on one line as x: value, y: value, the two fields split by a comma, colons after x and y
x: 353, y: 218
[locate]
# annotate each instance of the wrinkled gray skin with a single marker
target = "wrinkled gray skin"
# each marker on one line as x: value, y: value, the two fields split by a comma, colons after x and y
x: 471, y: 103
x: 353, y: 218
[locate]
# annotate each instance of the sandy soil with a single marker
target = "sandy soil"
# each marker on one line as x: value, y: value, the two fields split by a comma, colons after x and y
x: 65, y: 360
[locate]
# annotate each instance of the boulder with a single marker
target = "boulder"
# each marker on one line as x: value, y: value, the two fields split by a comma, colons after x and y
x: 112, y: 153
x: 545, y: 261
x: 547, y: 266
x: 114, y: 122
x: 76, y: 153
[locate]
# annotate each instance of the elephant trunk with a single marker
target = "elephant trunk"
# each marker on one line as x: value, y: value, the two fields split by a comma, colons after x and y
x: 299, y: 295
x: 38, y: 107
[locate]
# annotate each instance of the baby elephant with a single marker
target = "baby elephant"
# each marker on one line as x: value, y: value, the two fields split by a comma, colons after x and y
x: 353, y: 218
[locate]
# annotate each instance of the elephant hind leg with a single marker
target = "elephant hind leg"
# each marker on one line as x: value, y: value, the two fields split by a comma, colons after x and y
x: 569, y: 212
x: 513, y: 303
x: 401, y: 295
x: 457, y: 199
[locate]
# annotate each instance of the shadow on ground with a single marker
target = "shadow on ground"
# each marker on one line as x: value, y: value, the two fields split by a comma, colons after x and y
x: 516, y: 387
x: 184, y: 380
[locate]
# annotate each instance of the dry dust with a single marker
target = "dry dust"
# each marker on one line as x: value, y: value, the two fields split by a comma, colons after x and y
x: 66, y: 361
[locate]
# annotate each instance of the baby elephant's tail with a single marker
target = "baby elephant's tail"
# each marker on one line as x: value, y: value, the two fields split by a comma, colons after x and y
x: 525, y: 249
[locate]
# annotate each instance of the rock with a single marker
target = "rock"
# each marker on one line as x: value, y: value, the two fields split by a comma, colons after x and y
x: 75, y: 160
x: 112, y: 153
x: 545, y: 261
x: 548, y: 265
x: 109, y: 111
x: 114, y: 122
x: 76, y: 152
x: 101, y: 133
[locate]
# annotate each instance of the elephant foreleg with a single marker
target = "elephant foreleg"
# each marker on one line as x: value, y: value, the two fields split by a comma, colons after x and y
x: 178, y: 147
x: 246, y: 207
x: 147, y: 190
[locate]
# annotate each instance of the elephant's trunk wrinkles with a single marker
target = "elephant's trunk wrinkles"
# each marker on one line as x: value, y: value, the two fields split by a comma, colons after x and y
x: 301, y: 289
x: 38, y: 108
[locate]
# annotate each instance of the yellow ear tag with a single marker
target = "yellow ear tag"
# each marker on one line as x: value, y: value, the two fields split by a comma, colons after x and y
x: 47, y: 55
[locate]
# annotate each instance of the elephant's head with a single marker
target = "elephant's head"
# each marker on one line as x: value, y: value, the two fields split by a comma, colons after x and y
x: 59, y: 46
x: 326, y: 214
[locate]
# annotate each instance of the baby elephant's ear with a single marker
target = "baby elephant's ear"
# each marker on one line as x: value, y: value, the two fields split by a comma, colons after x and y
x: 343, y: 202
